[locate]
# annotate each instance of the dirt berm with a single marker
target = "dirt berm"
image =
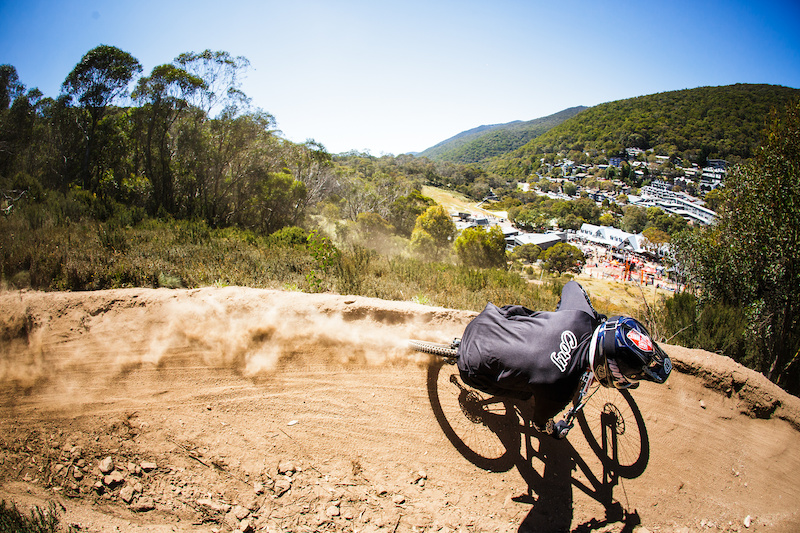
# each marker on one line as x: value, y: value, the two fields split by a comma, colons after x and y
x: 225, y: 409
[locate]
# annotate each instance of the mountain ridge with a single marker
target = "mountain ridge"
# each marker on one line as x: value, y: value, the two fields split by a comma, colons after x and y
x: 487, y: 141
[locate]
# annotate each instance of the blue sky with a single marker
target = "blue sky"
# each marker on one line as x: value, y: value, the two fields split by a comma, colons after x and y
x: 393, y: 77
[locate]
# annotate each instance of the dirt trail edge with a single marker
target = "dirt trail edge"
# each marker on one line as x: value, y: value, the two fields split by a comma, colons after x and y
x: 235, y: 409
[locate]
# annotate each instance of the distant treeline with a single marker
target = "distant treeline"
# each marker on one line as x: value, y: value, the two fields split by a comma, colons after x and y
x: 185, y: 142
x: 485, y: 142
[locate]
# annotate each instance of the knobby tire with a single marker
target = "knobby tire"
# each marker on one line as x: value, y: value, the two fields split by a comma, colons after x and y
x: 434, y: 348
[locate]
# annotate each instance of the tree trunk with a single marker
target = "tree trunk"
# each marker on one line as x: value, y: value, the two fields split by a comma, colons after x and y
x: 781, y: 348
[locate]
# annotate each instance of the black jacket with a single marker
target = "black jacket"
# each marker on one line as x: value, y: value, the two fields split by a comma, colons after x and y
x: 513, y: 351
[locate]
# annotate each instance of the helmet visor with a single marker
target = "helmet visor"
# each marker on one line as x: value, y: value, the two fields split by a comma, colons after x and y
x: 657, y: 370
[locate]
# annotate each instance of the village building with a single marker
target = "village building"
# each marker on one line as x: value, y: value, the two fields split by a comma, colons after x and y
x: 612, y: 238
x: 542, y: 240
x: 658, y: 194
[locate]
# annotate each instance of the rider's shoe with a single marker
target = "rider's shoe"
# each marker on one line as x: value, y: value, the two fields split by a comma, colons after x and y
x: 561, y: 429
x: 557, y: 430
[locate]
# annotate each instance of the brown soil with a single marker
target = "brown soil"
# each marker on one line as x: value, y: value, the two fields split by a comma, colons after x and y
x: 256, y: 410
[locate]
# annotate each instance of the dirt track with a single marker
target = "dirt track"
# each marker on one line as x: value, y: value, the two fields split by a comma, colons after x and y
x: 275, y: 411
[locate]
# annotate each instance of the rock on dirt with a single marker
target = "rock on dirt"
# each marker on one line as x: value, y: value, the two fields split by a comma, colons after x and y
x: 143, y: 504
x: 106, y: 465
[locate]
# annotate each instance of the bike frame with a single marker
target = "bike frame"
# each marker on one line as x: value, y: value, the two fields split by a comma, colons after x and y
x: 584, y: 395
x: 562, y: 427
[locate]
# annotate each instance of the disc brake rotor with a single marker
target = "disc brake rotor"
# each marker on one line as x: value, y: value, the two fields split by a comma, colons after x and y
x: 612, y: 418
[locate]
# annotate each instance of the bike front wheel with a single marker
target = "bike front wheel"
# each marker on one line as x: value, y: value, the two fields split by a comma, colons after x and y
x: 615, y: 430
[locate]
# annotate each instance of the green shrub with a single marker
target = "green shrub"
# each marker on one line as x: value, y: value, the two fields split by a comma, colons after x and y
x: 713, y: 326
x: 112, y: 237
x: 38, y: 521
x: 555, y: 286
x: 169, y: 281
x: 289, y: 236
x: 192, y: 232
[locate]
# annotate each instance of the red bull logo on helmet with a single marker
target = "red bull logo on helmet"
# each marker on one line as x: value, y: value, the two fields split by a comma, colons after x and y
x: 641, y: 341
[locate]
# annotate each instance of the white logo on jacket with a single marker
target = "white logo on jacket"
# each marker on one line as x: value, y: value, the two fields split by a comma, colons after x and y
x: 568, y: 343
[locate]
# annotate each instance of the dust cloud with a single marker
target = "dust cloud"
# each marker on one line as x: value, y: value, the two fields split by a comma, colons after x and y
x: 257, y: 340
x: 84, y: 342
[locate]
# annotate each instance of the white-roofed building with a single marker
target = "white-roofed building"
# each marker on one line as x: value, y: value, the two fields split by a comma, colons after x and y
x: 674, y: 203
x: 612, y: 237
x: 542, y: 240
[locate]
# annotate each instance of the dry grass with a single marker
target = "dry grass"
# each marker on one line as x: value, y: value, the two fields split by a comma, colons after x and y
x: 621, y: 295
x: 453, y: 201
x: 56, y: 254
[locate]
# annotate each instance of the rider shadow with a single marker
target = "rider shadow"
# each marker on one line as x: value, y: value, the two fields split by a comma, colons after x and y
x: 463, y: 413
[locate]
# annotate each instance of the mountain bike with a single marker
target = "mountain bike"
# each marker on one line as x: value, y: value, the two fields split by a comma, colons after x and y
x: 487, y: 427
x: 449, y: 352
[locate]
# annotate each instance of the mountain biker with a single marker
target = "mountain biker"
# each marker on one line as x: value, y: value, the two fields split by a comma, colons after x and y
x: 522, y: 354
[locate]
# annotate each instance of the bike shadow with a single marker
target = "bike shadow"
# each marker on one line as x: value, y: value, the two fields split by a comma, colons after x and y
x: 497, y: 434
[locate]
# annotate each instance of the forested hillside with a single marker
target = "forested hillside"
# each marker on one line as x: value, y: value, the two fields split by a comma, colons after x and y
x: 484, y: 142
x: 693, y: 124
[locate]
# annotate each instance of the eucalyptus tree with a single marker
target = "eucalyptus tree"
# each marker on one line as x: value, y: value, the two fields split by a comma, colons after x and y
x: 562, y: 258
x: 222, y: 140
x: 10, y: 90
x: 164, y: 96
x: 310, y: 163
x: 433, y: 233
x: 403, y: 212
x: 751, y: 256
x: 635, y: 219
x: 100, y: 77
x: 221, y: 74
x: 241, y: 151
x: 278, y: 201
x: 29, y: 159
x: 19, y: 144
x: 359, y: 196
x: 10, y: 86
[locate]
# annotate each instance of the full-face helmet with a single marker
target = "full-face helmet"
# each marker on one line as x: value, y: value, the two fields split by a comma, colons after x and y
x: 622, y: 353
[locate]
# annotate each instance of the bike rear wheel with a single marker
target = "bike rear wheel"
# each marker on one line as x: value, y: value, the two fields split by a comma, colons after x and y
x: 448, y: 351
x: 482, y: 428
